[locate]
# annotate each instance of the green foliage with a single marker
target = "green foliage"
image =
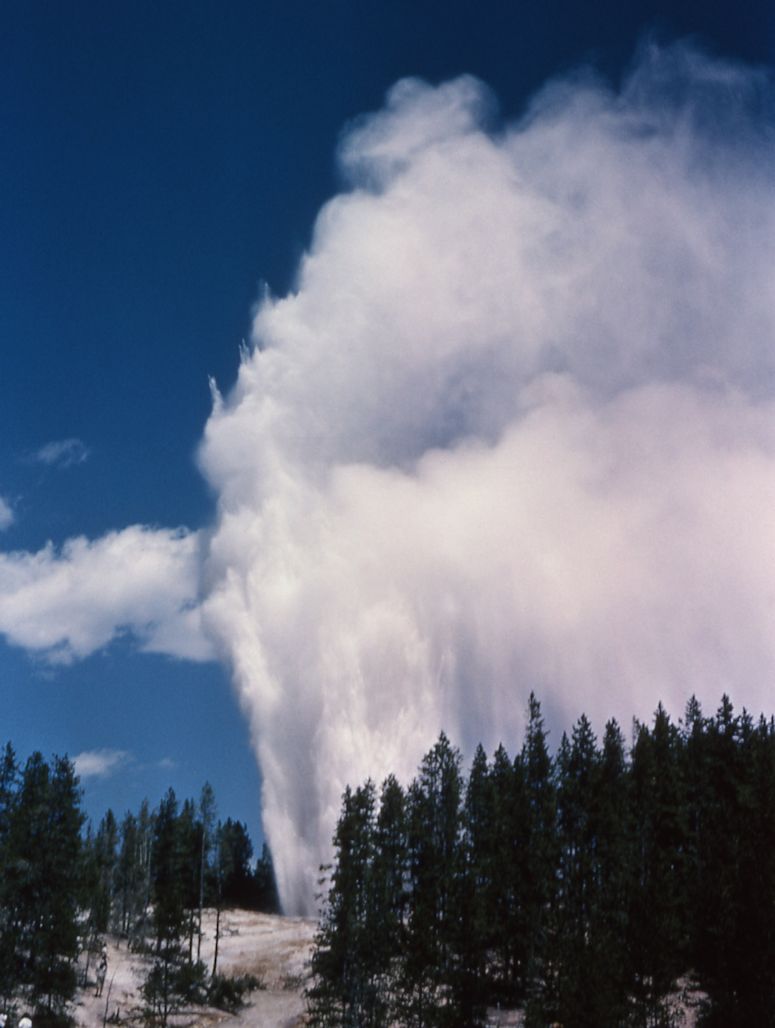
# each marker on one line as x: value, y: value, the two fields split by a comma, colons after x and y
x: 61, y: 890
x: 434, y: 986
x: 235, y: 852
x: 132, y: 875
x: 42, y: 883
x: 583, y: 887
x: 345, y: 961
x: 265, y: 896
x: 228, y: 993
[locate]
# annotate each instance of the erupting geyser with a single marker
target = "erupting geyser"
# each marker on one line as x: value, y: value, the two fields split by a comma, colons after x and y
x: 514, y: 429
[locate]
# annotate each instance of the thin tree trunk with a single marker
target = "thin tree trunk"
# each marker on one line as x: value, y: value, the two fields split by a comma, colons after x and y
x: 201, y: 893
x: 88, y: 959
x: 217, y: 936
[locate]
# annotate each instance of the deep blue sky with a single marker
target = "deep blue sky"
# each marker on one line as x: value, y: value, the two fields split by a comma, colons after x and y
x: 158, y: 161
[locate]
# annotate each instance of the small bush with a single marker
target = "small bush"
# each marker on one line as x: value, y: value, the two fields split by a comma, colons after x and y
x: 52, y: 1019
x: 229, y: 993
x: 190, y: 982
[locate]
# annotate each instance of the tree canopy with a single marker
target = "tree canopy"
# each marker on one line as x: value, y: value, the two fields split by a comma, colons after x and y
x: 587, y: 887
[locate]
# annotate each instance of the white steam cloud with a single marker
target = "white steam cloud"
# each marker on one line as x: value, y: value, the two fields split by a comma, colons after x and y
x: 514, y: 429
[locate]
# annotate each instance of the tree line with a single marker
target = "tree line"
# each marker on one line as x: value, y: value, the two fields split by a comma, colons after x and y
x: 583, y: 887
x: 64, y: 885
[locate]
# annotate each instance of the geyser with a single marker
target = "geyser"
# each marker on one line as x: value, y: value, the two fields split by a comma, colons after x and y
x: 513, y: 429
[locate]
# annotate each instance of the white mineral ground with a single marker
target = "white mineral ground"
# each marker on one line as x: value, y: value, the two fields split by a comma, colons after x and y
x: 275, y: 949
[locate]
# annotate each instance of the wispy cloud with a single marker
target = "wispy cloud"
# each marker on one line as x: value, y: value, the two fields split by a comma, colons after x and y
x: 6, y: 514
x: 62, y: 453
x: 100, y: 763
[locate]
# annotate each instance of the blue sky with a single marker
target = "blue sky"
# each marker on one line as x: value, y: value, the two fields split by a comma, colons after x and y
x: 159, y: 163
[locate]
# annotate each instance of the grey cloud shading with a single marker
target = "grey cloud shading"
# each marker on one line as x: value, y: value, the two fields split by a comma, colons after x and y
x: 514, y: 429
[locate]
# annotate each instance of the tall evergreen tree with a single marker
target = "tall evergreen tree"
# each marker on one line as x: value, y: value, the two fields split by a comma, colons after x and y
x: 44, y: 884
x: 753, y: 936
x: 104, y: 860
x: 344, y: 962
x: 207, y: 818
x: 659, y: 914
x: 189, y: 830
x: 235, y: 854
x: 540, y: 861
x: 388, y: 908
x: 133, y: 873
x: 9, y: 780
x: 571, y: 992
x: 267, y: 898
x: 162, y: 985
x: 733, y: 930
x: 480, y: 891
x: 615, y: 831
x: 435, y: 857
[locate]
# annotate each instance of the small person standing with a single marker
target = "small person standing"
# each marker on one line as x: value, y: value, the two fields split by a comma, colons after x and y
x: 102, y: 970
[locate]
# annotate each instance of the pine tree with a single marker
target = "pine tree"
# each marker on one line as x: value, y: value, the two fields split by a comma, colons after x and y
x: 344, y: 966
x: 267, y: 898
x: 481, y: 887
x: 105, y: 859
x: 44, y: 884
x: 753, y: 938
x: 388, y: 885
x: 9, y: 780
x: 100, y: 867
x: 235, y: 854
x: 435, y: 859
x: 735, y: 908
x: 659, y: 914
x: 615, y: 831
x: 571, y: 991
x: 162, y: 986
x: 207, y: 818
x: 189, y: 831
x: 540, y: 849
x: 133, y: 873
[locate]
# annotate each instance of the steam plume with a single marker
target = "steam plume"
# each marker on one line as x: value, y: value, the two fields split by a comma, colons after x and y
x: 513, y: 429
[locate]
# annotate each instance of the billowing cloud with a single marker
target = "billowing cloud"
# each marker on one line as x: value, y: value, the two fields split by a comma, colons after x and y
x: 62, y: 453
x: 514, y: 429
x: 6, y: 514
x: 100, y: 763
x: 67, y: 603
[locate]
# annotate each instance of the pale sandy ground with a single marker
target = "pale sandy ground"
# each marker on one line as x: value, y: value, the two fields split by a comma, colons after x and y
x: 274, y: 949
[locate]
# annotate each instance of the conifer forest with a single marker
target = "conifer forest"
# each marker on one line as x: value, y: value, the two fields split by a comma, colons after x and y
x: 147, y: 878
x: 582, y: 887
